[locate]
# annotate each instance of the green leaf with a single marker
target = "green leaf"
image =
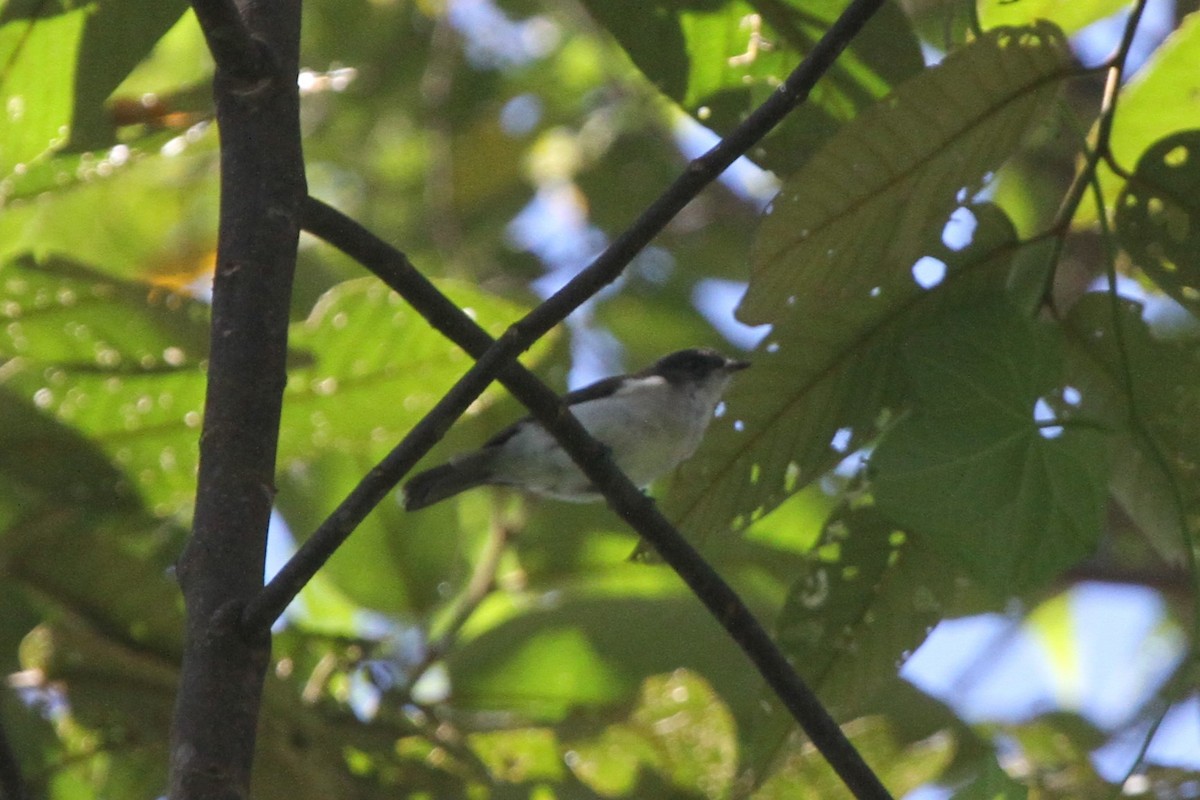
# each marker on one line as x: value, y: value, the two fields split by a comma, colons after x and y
x: 678, y: 728
x: 834, y: 270
x: 803, y: 774
x: 652, y: 36
x: 39, y: 48
x: 118, y: 35
x: 993, y: 783
x: 159, y: 220
x: 974, y: 471
x: 721, y: 59
x: 57, y: 311
x: 118, y: 361
x: 122, y: 363
x: 373, y: 367
x: 821, y: 385
x: 1157, y: 101
x: 865, y: 599
x: 1158, y: 216
x: 572, y: 648
x: 1152, y: 479
x: 882, y: 191
x: 1070, y: 15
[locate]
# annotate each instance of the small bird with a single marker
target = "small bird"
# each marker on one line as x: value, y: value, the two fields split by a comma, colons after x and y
x: 651, y: 421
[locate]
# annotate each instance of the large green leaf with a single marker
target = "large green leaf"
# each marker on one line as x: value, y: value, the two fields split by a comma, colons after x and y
x: 158, y: 220
x: 373, y: 367
x: 60, y: 62
x: 840, y: 265
x: 975, y: 471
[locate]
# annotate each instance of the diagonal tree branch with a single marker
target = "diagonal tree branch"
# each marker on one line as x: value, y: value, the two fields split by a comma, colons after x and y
x: 262, y: 180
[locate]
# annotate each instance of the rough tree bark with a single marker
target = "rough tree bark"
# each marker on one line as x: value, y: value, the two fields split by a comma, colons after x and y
x: 256, y: 46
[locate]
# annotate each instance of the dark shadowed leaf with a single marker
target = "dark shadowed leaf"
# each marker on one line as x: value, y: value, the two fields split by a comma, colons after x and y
x: 1158, y: 216
x: 985, y: 469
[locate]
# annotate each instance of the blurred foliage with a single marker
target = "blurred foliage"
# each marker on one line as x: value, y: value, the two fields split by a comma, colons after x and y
x: 950, y: 411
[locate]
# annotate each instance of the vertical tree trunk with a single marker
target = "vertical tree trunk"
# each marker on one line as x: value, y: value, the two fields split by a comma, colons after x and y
x: 262, y: 187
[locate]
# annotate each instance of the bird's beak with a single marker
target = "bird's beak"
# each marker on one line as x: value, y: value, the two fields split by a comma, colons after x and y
x: 733, y: 365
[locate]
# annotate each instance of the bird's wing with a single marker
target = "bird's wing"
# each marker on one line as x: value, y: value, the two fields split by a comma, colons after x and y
x: 593, y: 391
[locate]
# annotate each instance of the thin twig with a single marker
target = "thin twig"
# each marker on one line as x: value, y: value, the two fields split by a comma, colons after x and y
x: 1115, y: 66
x: 1150, y: 446
x: 479, y: 586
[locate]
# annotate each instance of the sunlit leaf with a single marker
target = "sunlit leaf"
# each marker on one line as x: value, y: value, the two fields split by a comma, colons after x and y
x: 374, y: 366
x: 578, y: 650
x: 678, y: 728
x: 39, y: 48
x: 803, y: 774
x: 1157, y: 101
x: 1070, y: 15
x: 984, y: 469
x: 117, y: 361
x: 159, y: 214
x: 118, y: 34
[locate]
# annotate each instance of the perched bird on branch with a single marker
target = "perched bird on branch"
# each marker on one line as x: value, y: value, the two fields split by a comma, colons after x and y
x: 651, y: 421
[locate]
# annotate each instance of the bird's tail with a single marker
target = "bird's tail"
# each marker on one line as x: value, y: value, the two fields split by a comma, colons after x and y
x: 449, y: 479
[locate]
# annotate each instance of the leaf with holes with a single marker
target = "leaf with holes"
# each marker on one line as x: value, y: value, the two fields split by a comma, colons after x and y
x: 848, y: 258
x: 1158, y: 100
x: 1158, y: 216
x: 980, y: 469
x: 866, y: 599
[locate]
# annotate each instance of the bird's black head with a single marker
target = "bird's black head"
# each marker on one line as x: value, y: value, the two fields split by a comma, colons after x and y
x: 694, y: 364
